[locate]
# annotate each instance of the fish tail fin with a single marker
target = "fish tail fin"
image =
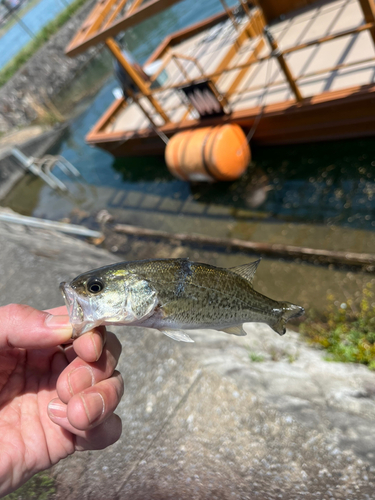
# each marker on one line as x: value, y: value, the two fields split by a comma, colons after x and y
x: 289, y: 311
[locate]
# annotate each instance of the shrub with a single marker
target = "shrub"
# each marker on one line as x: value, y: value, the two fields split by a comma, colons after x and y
x: 347, y: 331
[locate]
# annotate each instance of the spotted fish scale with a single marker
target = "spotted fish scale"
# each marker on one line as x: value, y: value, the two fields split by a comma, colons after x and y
x: 173, y: 295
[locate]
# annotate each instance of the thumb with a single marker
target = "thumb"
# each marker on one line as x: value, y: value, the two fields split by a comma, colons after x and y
x: 26, y: 327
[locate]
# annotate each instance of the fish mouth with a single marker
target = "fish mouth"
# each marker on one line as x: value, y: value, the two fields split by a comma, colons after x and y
x: 75, y: 311
x: 301, y: 312
x: 80, y: 321
x: 298, y: 311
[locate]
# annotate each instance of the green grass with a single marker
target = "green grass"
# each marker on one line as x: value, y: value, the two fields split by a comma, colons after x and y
x: 40, y: 39
x: 255, y: 357
x: 11, y: 21
x: 346, y: 331
x: 39, y: 487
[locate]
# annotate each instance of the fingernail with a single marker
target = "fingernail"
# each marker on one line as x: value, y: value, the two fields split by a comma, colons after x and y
x: 93, y: 403
x: 57, y: 409
x: 59, y: 323
x: 80, y: 379
x: 97, y: 352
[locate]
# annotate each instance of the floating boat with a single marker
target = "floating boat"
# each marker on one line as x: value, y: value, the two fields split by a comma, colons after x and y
x: 277, y: 72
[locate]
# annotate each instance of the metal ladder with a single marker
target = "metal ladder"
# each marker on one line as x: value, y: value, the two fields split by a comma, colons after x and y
x: 42, y: 167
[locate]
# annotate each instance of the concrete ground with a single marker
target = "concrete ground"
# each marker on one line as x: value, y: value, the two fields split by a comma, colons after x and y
x: 256, y: 417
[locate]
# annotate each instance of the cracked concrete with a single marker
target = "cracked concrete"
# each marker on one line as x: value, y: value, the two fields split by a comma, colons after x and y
x: 203, y: 420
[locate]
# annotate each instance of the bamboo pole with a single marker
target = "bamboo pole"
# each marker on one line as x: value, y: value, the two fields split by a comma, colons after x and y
x: 229, y: 14
x: 247, y: 64
x: 242, y: 37
x: 271, y: 249
x: 368, y: 9
x: 149, y: 9
x: 328, y: 38
x: 336, y: 68
x: 213, y: 87
x: 180, y: 66
x: 143, y: 87
x: 283, y: 64
x: 245, y: 7
x: 276, y: 83
x: 103, y: 9
x: 166, y: 61
x: 252, y: 59
x: 133, y: 96
x: 115, y: 13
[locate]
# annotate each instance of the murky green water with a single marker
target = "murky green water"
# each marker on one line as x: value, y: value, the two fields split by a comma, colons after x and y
x: 327, y: 183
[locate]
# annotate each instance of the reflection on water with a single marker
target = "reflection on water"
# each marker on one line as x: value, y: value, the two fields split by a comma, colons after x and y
x: 256, y: 191
x: 330, y: 183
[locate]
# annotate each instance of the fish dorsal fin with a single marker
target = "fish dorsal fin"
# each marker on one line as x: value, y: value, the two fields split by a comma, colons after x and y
x: 178, y: 335
x: 235, y: 330
x: 247, y: 271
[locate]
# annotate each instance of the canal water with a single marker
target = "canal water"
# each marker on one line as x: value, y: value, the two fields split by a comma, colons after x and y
x: 35, y: 19
x: 312, y: 195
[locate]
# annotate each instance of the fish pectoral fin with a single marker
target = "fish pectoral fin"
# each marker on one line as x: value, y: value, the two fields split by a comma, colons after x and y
x: 279, y: 327
x: 247, y: 271
x: 178, y: 335
x: 235, y: 330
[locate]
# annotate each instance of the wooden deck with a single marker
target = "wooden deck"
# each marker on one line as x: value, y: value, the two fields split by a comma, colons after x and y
x: 336, y: 80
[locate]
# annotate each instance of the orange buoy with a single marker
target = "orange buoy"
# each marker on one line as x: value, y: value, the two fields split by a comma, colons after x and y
x: 207, y: 154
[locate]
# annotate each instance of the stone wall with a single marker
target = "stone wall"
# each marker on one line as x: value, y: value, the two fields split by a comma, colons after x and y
x: 43, y: 76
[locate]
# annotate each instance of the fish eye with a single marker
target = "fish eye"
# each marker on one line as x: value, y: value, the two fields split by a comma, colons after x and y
x: 95, y: 285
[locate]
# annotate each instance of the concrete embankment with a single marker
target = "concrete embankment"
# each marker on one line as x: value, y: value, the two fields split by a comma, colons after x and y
x: 227, y: 417
x: 43, y: 76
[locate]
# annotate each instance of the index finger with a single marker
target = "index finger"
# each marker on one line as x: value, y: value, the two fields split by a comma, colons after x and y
x: 88, y: 346
x: 26, y: 327
x: 58, y: 311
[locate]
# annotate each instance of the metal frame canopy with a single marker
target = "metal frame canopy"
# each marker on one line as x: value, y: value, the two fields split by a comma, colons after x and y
x: 159, y: 109
x: 110, y: 17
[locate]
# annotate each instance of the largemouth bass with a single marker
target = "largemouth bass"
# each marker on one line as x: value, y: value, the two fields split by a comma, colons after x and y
x: 172, y: 295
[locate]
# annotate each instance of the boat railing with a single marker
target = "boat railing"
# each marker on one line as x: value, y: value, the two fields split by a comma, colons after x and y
x: 251, y: 29
x: 247, y: 41
x: 275, y: 52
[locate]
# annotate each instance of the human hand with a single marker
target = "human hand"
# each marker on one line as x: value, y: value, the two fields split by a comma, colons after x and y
x: 53, y: 400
